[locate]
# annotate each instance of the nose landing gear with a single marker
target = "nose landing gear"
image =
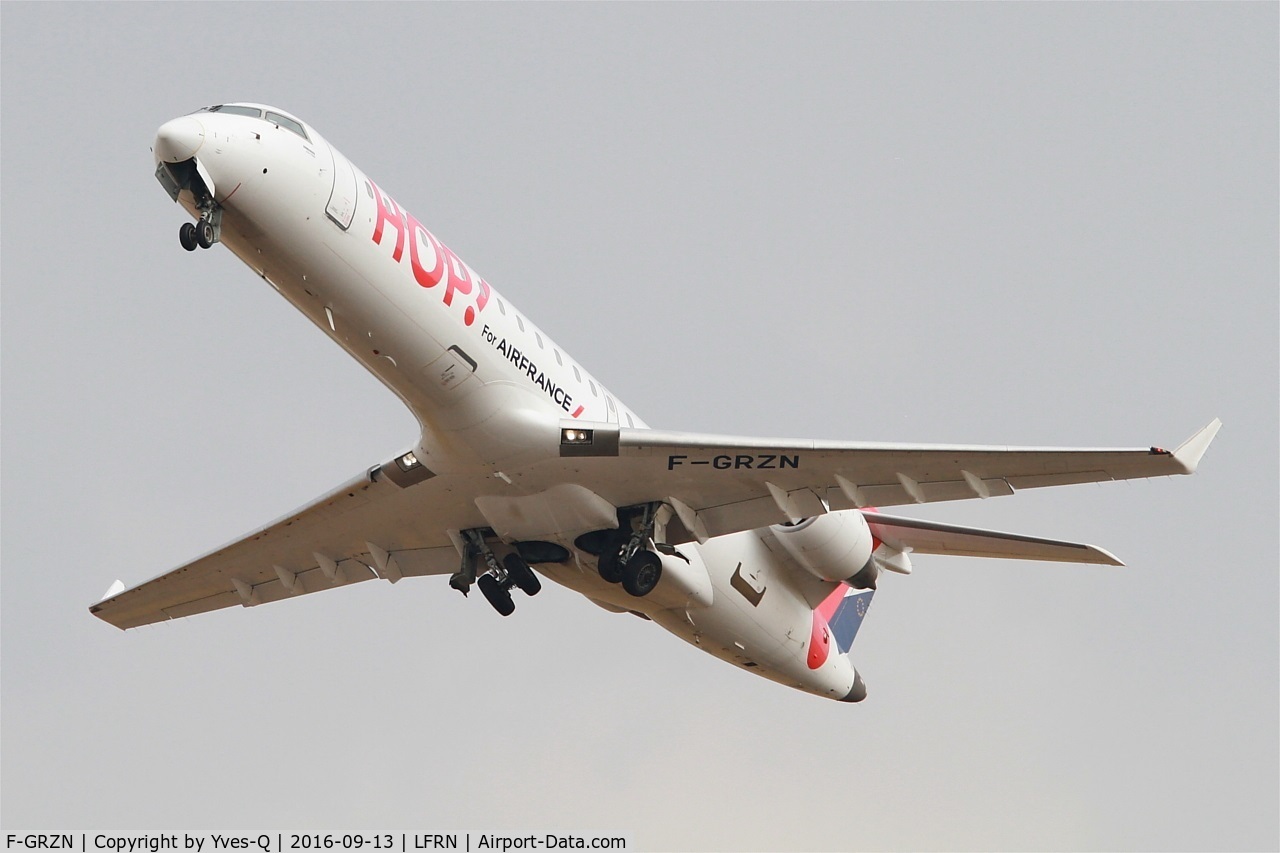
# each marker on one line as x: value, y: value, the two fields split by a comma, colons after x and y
x: 204, y: 232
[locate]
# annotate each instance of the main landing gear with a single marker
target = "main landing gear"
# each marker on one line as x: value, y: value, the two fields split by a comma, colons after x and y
x: 623, y: 557
x: 498, y: 579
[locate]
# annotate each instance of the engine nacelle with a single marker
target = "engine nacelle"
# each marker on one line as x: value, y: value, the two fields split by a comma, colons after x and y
x: 835, y: 547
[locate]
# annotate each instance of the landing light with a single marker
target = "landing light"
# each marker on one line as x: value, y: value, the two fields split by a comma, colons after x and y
x: 577, y: 436
x: 408, y: 462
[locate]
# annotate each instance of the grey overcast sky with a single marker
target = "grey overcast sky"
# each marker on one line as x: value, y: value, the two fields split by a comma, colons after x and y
x: 993, y: 223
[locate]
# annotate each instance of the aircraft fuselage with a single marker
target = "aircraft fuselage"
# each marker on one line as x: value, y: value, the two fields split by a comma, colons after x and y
x: 491, y: 392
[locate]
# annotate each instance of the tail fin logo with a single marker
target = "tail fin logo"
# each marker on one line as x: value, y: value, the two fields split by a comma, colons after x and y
x: 838, y: 617
x: 847, y: 619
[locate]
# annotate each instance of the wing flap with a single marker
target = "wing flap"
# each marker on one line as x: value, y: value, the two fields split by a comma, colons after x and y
x: 898, y: 494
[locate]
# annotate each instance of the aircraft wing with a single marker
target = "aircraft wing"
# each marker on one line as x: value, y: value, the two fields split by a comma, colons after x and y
x: 386, y: 524
x: 367, y: 528
x: 723, y: 484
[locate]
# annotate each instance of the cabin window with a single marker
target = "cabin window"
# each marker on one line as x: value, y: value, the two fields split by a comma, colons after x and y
x: 539, y: 337
x: 593, y: 388
x: 559, y: 360
x: 630, y: 422
x: 287, y: 123
x: 520, y: 322
x: 502, y: 309
x: 576, y: 374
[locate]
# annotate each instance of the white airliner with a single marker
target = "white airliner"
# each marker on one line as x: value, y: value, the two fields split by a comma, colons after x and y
x: 764, y: 552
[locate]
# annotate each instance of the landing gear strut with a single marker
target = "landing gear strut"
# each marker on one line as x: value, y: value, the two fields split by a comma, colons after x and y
x: 498, y: 578
x: 625, y: 559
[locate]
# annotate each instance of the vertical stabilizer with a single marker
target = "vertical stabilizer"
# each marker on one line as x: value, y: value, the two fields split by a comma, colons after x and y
x: 843, y: 612
x: 848, y: 616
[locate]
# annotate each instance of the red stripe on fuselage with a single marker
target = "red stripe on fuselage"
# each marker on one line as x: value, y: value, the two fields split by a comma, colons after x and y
x: 820, y: 634
x: 829, y: 604
x: 819, y: 642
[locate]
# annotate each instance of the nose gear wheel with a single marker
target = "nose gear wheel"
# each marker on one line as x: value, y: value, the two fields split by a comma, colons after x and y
x: 187, y: 236
x: 205, y: 231
x: 205, y: 234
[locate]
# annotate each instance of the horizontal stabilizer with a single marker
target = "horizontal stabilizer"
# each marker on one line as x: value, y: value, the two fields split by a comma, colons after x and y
x: 930, y: 537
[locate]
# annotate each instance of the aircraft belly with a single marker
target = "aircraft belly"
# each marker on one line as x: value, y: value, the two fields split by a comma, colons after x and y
x: 761, y: 608
x: 770, y: 639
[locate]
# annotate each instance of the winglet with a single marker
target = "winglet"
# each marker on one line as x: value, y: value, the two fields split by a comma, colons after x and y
x: 1106, y: 558
x: 1190, y: 451
x: 113, y: 590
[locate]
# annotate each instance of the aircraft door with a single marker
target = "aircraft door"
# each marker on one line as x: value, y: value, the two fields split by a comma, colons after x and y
x: 342, y: 200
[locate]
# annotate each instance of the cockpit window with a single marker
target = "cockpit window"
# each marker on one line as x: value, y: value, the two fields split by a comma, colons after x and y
x: 287, y: 123
x: 291, y: 124
x: 252, y: 112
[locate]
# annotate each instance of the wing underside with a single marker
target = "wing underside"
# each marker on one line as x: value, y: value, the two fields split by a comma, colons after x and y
x: 367, y: 528
x: 722, y: 484
x: 375, y: 527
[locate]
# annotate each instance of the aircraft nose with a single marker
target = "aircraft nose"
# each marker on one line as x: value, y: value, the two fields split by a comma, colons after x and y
x: 178, y: 140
